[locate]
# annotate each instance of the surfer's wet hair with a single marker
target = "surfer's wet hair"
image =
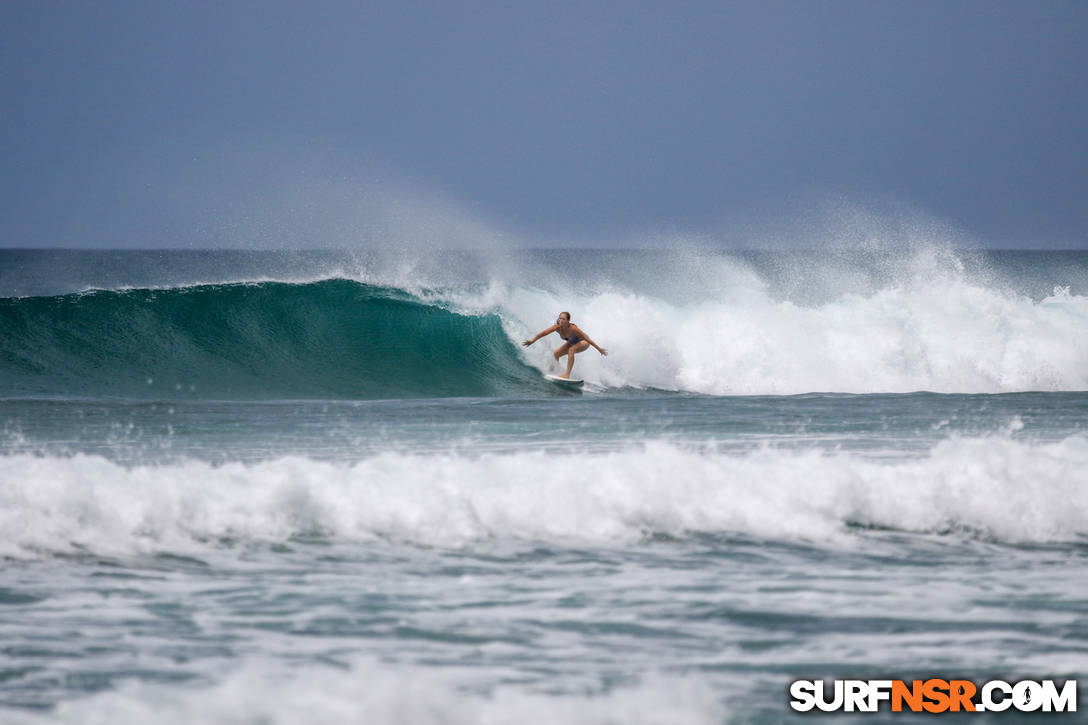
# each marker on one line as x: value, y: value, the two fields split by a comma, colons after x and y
x: 565, y: 313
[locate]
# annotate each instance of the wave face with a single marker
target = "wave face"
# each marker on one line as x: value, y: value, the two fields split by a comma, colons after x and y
x: 991, y: 488
x: 448, y: 326
x: 332, y: 338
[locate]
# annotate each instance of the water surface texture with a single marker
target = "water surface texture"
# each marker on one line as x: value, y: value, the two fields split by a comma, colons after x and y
x: 242, y: 487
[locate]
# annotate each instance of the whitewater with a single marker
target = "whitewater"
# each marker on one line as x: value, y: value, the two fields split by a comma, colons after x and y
x: 333, y: 486
x: 929, y: 328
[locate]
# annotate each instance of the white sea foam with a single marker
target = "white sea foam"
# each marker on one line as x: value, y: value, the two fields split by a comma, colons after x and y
x: 990, y: 487
x: 374, y: 692
x: 935, y: 331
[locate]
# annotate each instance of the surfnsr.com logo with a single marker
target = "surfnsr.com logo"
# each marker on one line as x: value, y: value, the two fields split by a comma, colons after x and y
x: 933, y: 695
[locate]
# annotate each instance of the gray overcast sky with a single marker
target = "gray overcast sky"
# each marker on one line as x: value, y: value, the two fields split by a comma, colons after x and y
x: 328, y: 123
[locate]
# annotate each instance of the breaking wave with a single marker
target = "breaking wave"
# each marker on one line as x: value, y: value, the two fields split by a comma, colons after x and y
x: 331, y: 338
x: 713, y: 325
x: 993, y: 488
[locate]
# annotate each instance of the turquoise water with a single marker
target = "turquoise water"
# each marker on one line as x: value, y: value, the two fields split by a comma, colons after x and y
x: 257, y: 487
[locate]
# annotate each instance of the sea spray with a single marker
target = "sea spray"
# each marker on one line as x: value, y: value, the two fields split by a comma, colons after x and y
x: 696, y: 323
x: 941, y: 335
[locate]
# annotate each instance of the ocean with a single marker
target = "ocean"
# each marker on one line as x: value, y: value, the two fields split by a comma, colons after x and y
x: 328, y: 487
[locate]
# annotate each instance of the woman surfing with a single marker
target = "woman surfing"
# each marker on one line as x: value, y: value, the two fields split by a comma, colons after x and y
x: 576, y: 341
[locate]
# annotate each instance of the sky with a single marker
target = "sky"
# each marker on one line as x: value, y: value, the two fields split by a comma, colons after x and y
x: 328, y: 124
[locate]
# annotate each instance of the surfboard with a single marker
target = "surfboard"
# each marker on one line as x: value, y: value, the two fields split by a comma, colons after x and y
x: 565, y: 382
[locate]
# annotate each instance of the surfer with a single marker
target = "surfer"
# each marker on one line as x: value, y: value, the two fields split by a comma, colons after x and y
x: 575, y: 341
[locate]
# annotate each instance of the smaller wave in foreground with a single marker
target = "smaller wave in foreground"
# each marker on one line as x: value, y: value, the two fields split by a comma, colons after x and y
x: 991, y: 488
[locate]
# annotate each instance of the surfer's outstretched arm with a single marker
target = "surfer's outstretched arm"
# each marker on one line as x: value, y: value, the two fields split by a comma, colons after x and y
x: 544, y: 333
x: 582, y: 334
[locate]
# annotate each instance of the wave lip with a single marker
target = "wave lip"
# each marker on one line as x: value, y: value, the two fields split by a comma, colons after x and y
x: 734, y: 330
x: 269, y: 340
x: 990, y: 488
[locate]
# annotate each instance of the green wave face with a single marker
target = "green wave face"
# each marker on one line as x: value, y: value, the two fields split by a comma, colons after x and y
x: 272, y: 340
